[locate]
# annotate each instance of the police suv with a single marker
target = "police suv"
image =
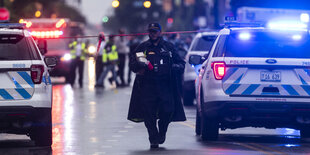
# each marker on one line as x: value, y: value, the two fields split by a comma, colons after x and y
x: 25, y: 87
x: 200, y: 45
x: 255, y: 76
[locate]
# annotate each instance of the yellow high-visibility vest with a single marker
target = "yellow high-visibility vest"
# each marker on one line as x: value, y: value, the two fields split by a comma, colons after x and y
x: 73, y: 45
x: 112, y: 56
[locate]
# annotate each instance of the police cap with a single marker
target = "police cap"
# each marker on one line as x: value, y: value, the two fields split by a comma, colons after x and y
x: 154, y: 26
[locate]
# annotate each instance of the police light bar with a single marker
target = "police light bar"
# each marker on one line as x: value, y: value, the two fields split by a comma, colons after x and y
x: 287, y: 25
x: 46, y: 34
x: 60, y: 23
x: 12, y: 25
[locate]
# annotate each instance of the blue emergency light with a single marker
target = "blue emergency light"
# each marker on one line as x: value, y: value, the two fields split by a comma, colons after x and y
x: 287, y: 25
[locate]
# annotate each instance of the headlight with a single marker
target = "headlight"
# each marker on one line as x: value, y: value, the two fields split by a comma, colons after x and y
x: 66, y: 57
x: 91, y: 49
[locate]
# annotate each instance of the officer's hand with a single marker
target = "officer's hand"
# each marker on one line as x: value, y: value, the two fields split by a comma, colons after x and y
x: 101, y: 37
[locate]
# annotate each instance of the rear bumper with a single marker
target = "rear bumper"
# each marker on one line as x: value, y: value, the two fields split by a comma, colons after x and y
x: 20, y: 119
x: 258, y: 114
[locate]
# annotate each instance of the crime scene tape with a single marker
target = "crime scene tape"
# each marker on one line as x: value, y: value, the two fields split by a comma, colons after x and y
x: 101, y: 37
x: 127, y: 35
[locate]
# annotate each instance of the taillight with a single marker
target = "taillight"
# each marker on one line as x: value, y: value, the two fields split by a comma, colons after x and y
x: 37, y: 73
x: 219, y: 69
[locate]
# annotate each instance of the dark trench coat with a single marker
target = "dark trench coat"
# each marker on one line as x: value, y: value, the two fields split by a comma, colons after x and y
x: 135, y: 112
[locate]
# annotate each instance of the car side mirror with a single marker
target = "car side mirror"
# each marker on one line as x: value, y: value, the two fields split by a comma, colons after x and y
x: 42, y: 45
x: 50, y: 61
x: 195, y: 59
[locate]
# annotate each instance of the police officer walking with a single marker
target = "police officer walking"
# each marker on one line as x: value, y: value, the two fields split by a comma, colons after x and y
x: 154, y: 96
x: 109, y: 59
x: 78, y: 55
x: 99, y: 63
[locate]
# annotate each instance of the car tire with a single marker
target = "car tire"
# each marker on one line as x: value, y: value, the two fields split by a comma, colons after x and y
x: 41, y: 133
x: 305, y: 133
x: 209, y: 125
x: 198, y: 123
x: 209, y: 129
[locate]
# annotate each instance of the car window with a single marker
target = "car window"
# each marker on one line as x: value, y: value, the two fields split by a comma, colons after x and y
x: 204, y: 43
x: 268, y: 44
x: 219, y: 52
x: 14, y: 47
x: 34, y: 49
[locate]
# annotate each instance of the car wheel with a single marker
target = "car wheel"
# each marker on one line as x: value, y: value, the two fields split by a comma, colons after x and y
x: 41, y: 132
x: 209, y: 126
x: 305, y: 133
x: 198, y: 123
x: 209, y: 129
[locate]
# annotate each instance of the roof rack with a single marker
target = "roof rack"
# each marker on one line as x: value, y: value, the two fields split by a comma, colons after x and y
x: 12, y: 25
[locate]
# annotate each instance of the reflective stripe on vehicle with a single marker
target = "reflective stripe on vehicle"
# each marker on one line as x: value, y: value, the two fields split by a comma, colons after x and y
x: 24, y: 87
x: 232, y: 85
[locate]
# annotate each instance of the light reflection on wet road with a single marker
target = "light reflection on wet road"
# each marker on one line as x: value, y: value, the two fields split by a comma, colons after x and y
x: 92, y: 121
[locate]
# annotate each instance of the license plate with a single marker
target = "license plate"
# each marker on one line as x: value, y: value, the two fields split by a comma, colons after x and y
x: 270, y: 76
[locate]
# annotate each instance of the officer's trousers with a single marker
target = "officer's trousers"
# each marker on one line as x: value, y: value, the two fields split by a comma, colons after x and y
x: 104, y: 73
x: 157, y: 105
x: 121, y: 67
x: 99, y: 67
x: 77, y: 63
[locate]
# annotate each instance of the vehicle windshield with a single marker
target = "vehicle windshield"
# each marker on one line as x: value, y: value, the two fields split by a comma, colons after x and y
x: 268, y: 44
x: 204, y: 43
x: 14, y: 47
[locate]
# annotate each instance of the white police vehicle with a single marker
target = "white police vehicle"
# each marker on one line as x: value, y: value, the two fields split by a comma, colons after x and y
x: 255, y: 77
x: 200, y: 45
x: 25, y: 88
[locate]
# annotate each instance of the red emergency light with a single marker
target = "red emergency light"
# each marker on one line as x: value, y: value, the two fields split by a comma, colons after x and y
x: 47, y: 34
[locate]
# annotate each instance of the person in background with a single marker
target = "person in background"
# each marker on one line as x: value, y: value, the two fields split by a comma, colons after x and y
x: 133, y: 44
x: 99, y: 63
x: 122, y: 49
x: 109, y: 60
x: 78, y: 55
x: 187, y: 42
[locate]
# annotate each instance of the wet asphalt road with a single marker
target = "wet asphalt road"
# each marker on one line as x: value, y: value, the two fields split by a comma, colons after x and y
x: 89, y: 121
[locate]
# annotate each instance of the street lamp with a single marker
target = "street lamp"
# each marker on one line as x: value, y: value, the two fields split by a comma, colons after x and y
x: 147, y: 4
x: 115, y: 4
x: 38, y: 14
x: 105, y: 19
